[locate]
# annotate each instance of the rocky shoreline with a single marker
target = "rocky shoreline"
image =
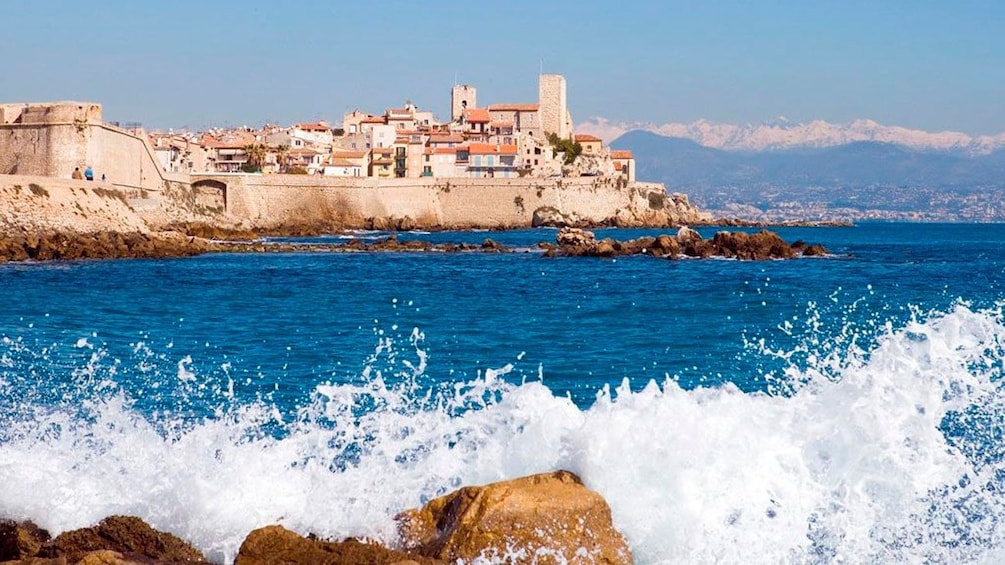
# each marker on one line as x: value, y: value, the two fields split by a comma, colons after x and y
x: 547, y: 518
x: 199, y: 239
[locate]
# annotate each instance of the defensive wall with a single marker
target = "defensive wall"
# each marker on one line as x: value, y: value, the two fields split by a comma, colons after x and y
x: 55, y: 138
x: 263, y: 200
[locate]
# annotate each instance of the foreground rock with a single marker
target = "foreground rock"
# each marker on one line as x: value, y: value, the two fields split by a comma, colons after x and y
x: 546, y: 518
x: 275, y: 544
x: 119, y: 540
x: 100, y: 245
x: 574, y: 242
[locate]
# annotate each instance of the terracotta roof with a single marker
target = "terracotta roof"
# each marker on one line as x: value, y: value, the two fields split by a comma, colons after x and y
x: 445, y: 150
x: 372, y: 120
x: 313, y: 127
x: 617, y: 165
x: 304, y: 151
x: 490, y: 149
x: 514, y: 107
x: 348, y: 154
x: 587, y: 137
x: 446, y: 138
x: 383, y: 150
x: 477, y: 116
x: 501, y: 124
x: 341, y: 163
x: 621, y: 154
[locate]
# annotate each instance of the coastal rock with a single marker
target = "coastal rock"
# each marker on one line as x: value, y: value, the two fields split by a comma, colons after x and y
x: 550, y: 217
x: 574, y: 237
x: 21, y: 540
x: 99, y: 245
x: 492, y: 245
x: 761, y: 245
x: 275, y: 544
x: 548, y: 518
x: 738, y: 245
x: 687, y: 235
x: 119, y: 539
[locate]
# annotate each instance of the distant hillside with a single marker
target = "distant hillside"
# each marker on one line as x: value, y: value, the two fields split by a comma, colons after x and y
x: 781, y: 134
x: 864, y: 175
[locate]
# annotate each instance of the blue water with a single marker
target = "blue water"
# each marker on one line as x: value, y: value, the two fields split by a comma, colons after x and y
x: 263, y: 345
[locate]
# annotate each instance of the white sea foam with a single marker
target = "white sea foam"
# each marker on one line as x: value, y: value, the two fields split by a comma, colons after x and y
x: 885, y: 455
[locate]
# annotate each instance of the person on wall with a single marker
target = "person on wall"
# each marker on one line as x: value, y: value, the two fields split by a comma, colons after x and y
x: 89, y: 173
x: 76, y: 174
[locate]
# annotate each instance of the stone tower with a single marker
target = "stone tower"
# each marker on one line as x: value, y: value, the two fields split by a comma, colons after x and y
x: 554, y: 113
x: 462, y: 96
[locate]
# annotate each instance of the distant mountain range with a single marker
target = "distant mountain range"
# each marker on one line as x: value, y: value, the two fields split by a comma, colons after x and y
x: 855, y: 179
x: 781, y: 134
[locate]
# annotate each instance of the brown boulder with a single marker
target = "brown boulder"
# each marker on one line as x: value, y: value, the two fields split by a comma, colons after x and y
x: 127, y: 535
x: 21, y: 540
x: 574, y: 237
x: 550, y: 518
x: 761, y: 245
x: 605, y: 248
x: 276, y: 544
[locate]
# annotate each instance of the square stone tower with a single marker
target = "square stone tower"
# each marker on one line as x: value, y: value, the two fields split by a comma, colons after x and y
x: 462, y: 97
x: 554, y: 112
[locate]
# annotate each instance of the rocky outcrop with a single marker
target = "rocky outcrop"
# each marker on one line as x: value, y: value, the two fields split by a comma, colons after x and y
x: 546, y: 518
x: 573, y: 242
x: 99, y: 245
x: 117, y: 540
x: 275, y: 544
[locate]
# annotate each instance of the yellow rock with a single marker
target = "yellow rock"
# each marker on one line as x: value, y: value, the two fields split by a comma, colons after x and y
x: 546, y: 518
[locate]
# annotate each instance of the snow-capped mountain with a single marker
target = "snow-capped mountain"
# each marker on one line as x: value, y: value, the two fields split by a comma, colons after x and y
x: 780, y: 134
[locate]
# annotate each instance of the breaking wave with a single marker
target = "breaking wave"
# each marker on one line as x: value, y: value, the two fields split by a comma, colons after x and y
x: 881, y: 449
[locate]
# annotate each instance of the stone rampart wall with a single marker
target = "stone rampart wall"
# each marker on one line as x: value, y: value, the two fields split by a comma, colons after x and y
x: 55, y: 149
x: 262, y: 200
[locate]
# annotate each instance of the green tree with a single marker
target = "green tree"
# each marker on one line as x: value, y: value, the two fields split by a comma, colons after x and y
x: 283, y: 157
x: 571, y: 148
x: 256, y: 156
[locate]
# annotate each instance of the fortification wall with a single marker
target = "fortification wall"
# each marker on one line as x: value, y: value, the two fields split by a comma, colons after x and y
x: 55, y: 149
x: 261, y: 201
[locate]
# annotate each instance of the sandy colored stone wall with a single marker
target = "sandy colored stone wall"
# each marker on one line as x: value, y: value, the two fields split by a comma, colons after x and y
x: 55, y: 149
x: 263, y: 200
x: 38, y: 204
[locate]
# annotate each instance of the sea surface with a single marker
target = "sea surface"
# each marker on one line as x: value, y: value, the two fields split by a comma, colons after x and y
x: 843, y: 409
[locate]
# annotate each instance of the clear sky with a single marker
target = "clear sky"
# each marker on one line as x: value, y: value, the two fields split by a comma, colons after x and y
x: 934, y: 65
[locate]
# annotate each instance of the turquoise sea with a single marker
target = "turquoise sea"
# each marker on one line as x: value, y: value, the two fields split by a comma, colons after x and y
x: 844, y: 409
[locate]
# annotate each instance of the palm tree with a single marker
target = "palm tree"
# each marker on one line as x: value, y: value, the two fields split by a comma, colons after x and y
x: 283, y: 155
x: 256, y: 155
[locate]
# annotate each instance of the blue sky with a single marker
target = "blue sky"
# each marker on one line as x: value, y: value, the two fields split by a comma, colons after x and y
x: 927, y: 65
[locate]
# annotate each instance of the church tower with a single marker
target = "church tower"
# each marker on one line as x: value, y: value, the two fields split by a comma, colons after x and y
x: 552, y: 101
x: 462, y: 97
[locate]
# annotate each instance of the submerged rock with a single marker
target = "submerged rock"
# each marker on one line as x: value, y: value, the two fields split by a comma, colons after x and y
x: 546, y: 518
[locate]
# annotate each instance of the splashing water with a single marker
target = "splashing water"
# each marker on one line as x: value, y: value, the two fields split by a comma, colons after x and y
x: 889, y: 452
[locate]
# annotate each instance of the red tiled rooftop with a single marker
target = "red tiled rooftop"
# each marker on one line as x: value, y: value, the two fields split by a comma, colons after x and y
x: 477, y: 116
x: 348, y: 154
x: 313, y: 127
x: 585, y: 137
x: 490, y: 149
x: 621, y: 154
